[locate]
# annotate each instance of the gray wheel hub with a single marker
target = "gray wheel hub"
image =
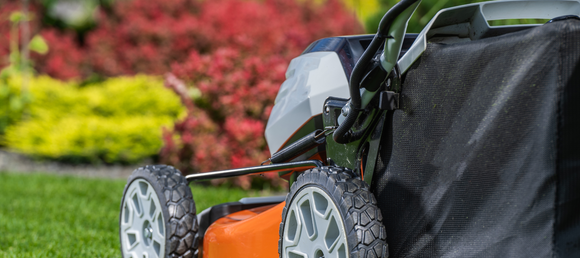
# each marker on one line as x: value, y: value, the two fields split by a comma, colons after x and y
x: 142, y: 222
x: 314, y: 227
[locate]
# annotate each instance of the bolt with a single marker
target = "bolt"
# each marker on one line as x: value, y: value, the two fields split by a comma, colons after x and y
x: 148, y: 232
x: 345, y: 110
x: 327, y: 109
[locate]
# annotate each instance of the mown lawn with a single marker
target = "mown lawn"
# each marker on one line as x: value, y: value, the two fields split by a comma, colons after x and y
x: 43, y: 215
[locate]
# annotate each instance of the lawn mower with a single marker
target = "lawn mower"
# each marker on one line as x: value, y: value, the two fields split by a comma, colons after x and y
x: 459, y: 141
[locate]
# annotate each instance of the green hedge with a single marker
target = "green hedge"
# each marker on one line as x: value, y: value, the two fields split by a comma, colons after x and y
x: 116, y: 121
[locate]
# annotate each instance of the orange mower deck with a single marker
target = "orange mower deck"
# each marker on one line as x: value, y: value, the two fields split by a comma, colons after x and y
x: 247, y: 233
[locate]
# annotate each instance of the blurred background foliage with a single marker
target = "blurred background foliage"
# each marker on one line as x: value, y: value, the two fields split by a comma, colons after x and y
x: 115, y: 121
x: 79, y: 95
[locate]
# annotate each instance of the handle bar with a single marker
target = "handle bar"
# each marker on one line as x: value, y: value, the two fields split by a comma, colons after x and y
x: 471, y: 21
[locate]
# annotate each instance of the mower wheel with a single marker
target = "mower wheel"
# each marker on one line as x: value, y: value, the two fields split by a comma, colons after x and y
x: 158, y: 215
x: 331, y: 213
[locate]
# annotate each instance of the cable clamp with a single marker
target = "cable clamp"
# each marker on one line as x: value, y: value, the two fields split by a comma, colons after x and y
x: 327, y: 131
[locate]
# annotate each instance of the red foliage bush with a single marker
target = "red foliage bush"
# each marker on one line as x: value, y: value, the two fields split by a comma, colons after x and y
x: 142, y: 36
x: 65, y: 60
x: 239, y: 76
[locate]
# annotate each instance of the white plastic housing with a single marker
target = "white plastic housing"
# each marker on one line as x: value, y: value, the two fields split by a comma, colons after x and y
x: 310, y: 79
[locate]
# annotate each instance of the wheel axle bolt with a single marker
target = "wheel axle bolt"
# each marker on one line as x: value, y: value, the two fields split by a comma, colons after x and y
x: 148, y: 232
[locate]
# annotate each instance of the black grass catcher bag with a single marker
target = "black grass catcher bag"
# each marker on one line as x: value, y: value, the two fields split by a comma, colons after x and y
x: 483, y: 159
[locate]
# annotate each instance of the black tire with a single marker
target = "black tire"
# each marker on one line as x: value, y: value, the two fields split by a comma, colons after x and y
x: 178, y: 230
x: 362, y: 220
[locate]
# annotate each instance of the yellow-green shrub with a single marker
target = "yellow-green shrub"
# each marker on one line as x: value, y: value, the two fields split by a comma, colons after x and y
x: 121, y: 96
x: 90, y: 139
x: 116, y: 121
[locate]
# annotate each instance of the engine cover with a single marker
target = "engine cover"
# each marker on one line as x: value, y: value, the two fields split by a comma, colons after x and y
x: 310, y: 79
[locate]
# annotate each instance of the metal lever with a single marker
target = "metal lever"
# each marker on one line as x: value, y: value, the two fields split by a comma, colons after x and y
x: 295, y: 166
x: 300, y: 147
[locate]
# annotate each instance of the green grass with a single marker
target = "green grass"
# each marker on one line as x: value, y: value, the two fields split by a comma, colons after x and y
x: 43, y: 215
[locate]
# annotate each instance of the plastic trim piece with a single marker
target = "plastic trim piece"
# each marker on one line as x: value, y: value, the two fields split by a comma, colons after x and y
x: 310, y: 79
